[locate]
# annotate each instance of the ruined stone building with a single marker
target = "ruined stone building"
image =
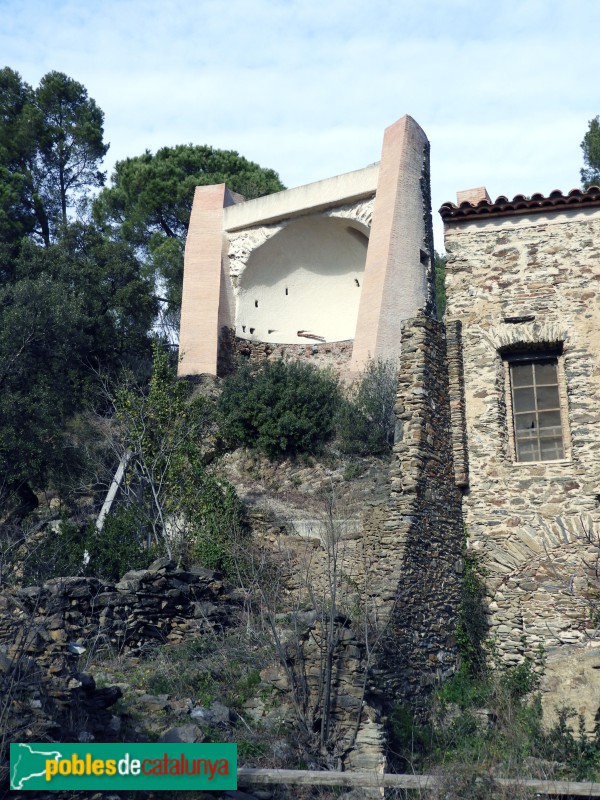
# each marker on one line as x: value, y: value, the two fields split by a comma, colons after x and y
x: 497, y: 408
x: 338, y: 272
x: 523, y: 285
x: 333, y: 267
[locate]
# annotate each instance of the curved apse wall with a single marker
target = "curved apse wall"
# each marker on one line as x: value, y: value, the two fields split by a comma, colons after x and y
x: 305, y: 279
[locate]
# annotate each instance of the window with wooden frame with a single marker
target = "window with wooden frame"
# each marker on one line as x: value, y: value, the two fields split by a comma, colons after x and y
x: 536, y: 406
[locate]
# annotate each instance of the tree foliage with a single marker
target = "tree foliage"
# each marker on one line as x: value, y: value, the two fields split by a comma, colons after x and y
x: 71, y: 143
x: 39, y: 325
x: 280, y: 408
x: 17, y: 154
x: 590, y: 173
x: 178, y: 502
x: 119, y: 547
x: 150, y: 199
x: 77, y: 300
x: 103, y: 279
x: 75, y: 548
x: 67, y: 312
x: 51, y: 143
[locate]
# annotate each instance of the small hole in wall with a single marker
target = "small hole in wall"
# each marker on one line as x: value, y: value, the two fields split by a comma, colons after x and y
x: 423, y: 257
x: 243, y: 329
x: 286, y: 291
x: 515, y: 320
x: 256, y: 304
x: 251, y: 330
x: 356, y: 281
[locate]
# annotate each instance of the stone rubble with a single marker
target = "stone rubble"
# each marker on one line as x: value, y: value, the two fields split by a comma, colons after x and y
x: 47, y: 633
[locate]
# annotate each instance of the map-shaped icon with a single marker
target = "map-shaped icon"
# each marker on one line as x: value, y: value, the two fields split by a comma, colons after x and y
x: 27, y: 763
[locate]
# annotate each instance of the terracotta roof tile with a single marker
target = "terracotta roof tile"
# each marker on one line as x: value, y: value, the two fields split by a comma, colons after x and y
x: 503, y: 207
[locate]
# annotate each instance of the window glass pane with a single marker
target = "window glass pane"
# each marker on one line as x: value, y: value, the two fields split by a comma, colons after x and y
x: 522, y: 374
x: 537, y: 428
x: 524, y: 399
x: 547, y: 397
x: 527, y: 451
x: 526, y: 422
x: 550, y: 419
x: 551, y: 449
x: 545, y: 372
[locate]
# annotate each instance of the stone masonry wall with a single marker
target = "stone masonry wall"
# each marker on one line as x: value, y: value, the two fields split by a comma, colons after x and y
x: 405, y: 564
x: 525, y: 282
x: 232, y: 349
x: 417, y: 557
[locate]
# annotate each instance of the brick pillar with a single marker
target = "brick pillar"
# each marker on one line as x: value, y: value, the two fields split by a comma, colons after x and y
x: 395, y: 283
x: 202, y: 276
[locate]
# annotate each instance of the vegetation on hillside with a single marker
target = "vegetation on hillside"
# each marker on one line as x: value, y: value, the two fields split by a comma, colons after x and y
x: 365, y: 421
x: 280, y: 408
x: 176, y: 503
x: 486, y: 721
x: 80, y: 293
x: 87, y: 277
x: 285, y: 408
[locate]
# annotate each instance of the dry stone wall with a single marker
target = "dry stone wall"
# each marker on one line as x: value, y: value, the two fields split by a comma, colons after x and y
x: 522, y: 283
x: 412, y: 546
x: 45, y: 629
x: 394, y: 567
x: 391, y: 549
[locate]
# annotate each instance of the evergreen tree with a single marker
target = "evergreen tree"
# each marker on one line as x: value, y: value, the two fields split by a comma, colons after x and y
x: 51, y: 145
x: 590, y: 173
x: 150, y: 199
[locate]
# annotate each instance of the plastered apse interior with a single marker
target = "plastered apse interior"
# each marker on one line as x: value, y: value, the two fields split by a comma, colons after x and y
x: 304, y: 281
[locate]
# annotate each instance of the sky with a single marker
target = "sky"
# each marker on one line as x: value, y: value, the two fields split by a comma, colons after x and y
x: 504, y: 90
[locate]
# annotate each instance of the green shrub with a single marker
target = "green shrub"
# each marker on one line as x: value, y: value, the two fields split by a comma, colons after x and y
x: 119, y: 547
x: 523, y: 679
x: 218, y: 519
x: 492, y: 723
x: 578, y: 752
x: 175, y: 499
x: 365, y: 422
x: 473, y: 626
x: 280, y: 408
x: 409, y: 740
x: 464, y: 690
x: 354, y: 470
